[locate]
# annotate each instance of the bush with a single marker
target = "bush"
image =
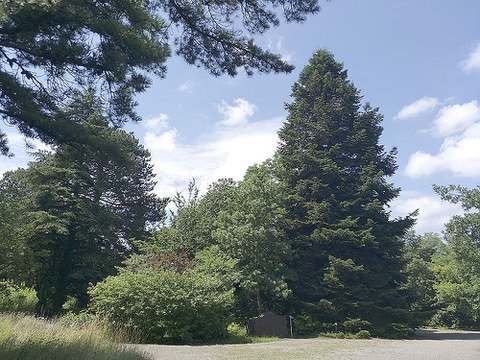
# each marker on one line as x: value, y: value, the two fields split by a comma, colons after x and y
x: 168, y: 306
x: 353, y: 326
x: 397, y: 331
x: 306, y: 325
x: 15, y: 298
x: 363, y: 334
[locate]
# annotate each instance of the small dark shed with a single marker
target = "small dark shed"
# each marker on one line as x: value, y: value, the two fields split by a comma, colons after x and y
x: 268, y: 324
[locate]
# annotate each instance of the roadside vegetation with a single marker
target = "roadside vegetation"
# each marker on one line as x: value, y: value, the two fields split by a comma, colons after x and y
x: 307, y: 234
x: 26, y: 337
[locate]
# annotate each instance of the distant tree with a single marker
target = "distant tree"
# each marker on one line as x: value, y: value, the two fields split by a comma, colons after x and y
x: 420, y: 251
x: 347, y: 251
x: 458, y: 266
x: 50, y: 49
x: 84, y: 209
x: 15, y: 256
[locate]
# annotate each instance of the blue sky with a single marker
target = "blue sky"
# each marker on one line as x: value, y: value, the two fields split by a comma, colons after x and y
x: 418, y: 61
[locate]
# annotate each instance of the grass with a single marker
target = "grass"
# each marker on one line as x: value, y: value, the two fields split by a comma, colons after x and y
x: 25, y: 337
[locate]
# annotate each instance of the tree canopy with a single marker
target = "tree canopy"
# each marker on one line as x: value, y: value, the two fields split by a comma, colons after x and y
x: 80, y: 211
x: 49, y: 49
x: 346, y: 249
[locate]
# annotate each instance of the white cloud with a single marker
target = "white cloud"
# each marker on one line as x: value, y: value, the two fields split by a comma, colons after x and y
x: 433, y: 212
x: 158, y: 122
x: 277, y: 47
x: 187, y: 86
x: 417, y: 107
x: 456, y: 118
x: 238, y: 114
x: 472, y: 62
x: 460, y: 150
x: 227, y: 152
x: 18, y: 146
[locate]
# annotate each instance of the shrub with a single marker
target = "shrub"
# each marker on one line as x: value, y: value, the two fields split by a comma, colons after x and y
x: 353, y: 326
x: 363, y: 334
x: 168, y: 306
x: 16, y: 298
x: 397, y: 331
x: 306, y: 325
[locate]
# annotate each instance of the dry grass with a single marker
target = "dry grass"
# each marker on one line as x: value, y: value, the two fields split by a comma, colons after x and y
x: 25, y: 337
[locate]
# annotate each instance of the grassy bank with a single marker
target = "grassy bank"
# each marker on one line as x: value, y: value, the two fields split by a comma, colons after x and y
x: 25, y: 337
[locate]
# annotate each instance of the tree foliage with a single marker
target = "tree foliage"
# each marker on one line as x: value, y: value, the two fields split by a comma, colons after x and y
x: 420, y: 254
x: 82, y: 209
x: 458, y: 266
x: 347, y: 250
x: 171, y: 305
x: 50, y: 49
x: 250, y: 230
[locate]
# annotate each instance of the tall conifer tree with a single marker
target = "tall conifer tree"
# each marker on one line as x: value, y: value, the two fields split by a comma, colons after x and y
x: 347, y: 249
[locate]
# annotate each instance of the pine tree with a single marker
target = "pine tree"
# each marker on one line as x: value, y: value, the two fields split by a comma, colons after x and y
x: 347, y: 250
x: 85, y: 208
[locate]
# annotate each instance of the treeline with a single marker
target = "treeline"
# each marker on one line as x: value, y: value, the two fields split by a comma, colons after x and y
x: 307, y: 233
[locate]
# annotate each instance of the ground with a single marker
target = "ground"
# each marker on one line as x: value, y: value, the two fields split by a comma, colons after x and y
x: 427, y: 345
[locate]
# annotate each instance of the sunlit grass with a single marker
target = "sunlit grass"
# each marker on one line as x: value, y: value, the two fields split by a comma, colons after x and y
x: 25, y: 337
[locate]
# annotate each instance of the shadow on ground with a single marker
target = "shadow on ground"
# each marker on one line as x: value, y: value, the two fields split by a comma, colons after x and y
x: 431, y: 334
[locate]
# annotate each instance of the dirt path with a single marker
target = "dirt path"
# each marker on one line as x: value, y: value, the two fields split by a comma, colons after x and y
x: 428, y: 345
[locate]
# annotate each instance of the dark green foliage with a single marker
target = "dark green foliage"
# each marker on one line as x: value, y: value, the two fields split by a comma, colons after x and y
x: 354, y: 326
x: 82, y: 208
x: 396, y: 331
x: 171, y: 305
x: 16, y: 258
x: 50, y: 49
x: 347, y: 250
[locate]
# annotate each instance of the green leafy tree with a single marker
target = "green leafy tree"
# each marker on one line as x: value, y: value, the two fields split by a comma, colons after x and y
x: 458, y: 266
x: 15, y: 256
x: 347, y: 251
x: 49, y: 49
x: 251, y: 231
x: 420, y: 251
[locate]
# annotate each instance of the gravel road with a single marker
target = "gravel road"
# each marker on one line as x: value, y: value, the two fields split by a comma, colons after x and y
x: 427, y: 345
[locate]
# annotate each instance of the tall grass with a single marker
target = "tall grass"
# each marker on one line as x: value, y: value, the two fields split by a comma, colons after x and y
x: 25, y: 337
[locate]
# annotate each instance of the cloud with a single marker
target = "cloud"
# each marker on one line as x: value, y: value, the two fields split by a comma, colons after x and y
x: 456, y: 118
x: 157, y: 122
x: 417, y: 107
x: 472, y: 62
x: 277, y: 47
x: 460, y: 150
x: 238, y: 114
x: 187, y: 86
x: 22, y: 148
x: 226, y: 152
x: 433, y: 212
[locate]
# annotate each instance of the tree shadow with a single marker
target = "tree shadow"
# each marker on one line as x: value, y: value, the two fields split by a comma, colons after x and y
x: 432, y: 334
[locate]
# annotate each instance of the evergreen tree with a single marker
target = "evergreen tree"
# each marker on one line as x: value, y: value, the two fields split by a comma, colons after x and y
x: 85, y: 208
x: 347, y: 250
